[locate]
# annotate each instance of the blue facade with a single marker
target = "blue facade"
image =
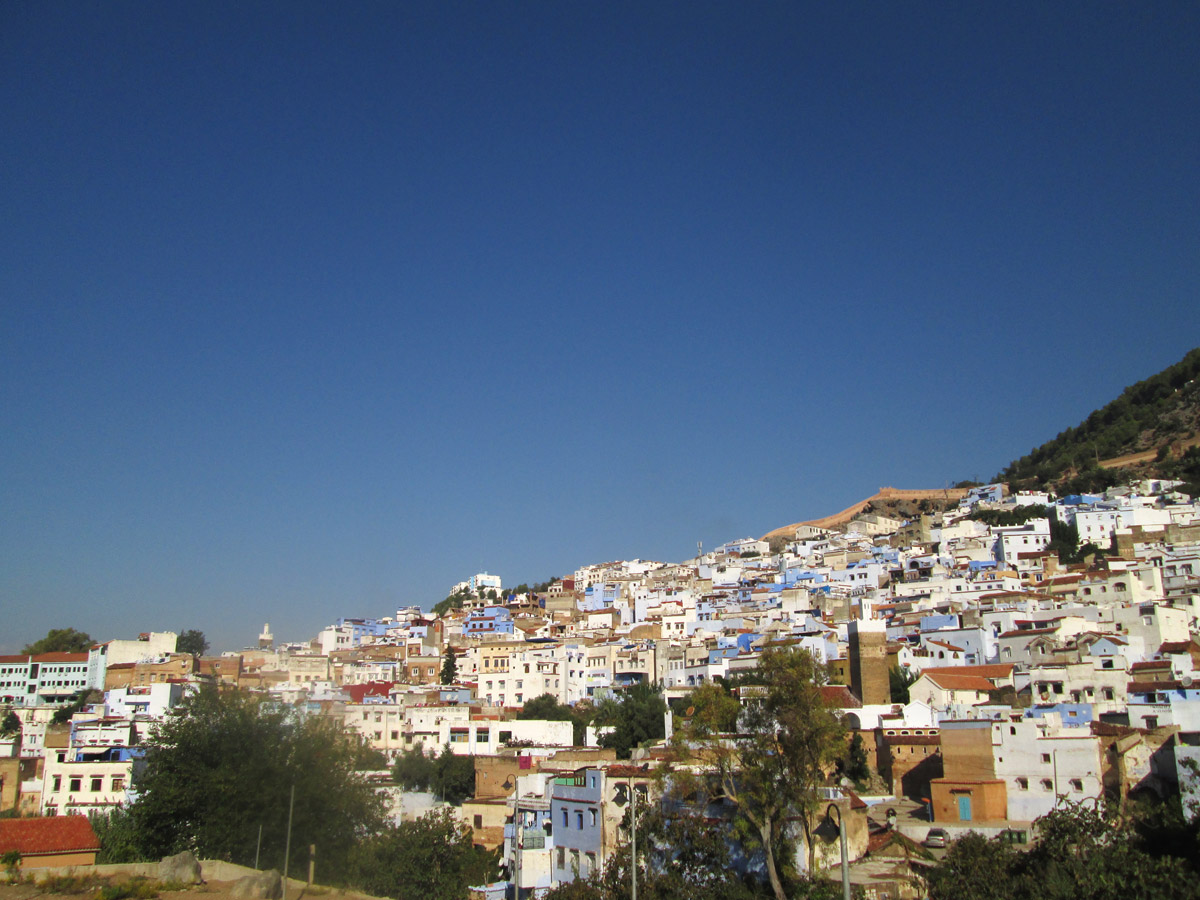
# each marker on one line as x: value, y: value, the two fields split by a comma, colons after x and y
x: 489, y: 620
x: 577, y: 817
x: 1072, y: 714
x: 935, y: 623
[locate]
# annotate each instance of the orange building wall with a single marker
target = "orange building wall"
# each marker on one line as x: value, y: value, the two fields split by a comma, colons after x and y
x: 989, y: 800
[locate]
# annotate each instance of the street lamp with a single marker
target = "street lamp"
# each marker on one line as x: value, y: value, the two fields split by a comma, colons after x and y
x: 841, y: 826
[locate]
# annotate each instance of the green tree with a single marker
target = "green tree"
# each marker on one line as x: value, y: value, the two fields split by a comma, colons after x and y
x: 193, y: 642
x: 771, y: 769
x: 547, y: 708
x: 974, y: 868
x: 636, y: 716
x: 429, y: 859
x: 225, y: 763
x: 60, y: 640
x: 10, y: 725
x: 413, y: 770
x: 900, y: 679
x: 1081, y: 852
x: 453, y: 601
x: 78, y: 701
x: 118, y: 834
x: 855, y: 765
x: 449, y: 667
x: 450, y: 777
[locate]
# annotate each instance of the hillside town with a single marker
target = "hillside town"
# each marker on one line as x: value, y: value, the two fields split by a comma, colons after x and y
x: 987, y: 679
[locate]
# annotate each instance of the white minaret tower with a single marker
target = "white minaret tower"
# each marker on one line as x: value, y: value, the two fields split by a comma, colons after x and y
x: 266, y: 640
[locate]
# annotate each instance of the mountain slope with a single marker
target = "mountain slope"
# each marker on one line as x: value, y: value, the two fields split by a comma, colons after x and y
x: 1149, y: 430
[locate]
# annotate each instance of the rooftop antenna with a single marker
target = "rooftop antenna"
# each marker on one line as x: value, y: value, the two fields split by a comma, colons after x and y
x: 699, y: 550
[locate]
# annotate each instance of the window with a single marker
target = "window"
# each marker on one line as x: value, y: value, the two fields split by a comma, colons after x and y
x: 1077, y: 785
x: 118, y: 783
x: 564, y: 812
x: 562, y: 857
x: 579, y: 819
x: 1047, y: 784
x: 478, y: 820
x: 76, y: 784
x: 97, y: 784
x: 592, y: 813
x: 1046, y: 758
x: 1023, y: 784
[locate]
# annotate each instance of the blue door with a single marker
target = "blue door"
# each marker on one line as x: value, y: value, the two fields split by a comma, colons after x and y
x: 964, y: 808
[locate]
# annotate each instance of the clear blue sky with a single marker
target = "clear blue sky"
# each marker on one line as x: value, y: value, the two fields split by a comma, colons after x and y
x: 312, y: 310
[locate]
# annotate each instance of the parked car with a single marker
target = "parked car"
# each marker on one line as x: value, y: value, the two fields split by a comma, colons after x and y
x: 936, y: 837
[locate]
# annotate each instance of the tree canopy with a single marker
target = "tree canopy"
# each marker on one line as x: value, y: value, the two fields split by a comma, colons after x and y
x: 450, y: 777
x: 449, y: 673
x: 429, y: 859
x: 547, y: 708
x: 223, y: 764
x: 60, y: 640
x: 1081, y: 853
x: 770, y: 753
x: 636, y: 717
x: 1150, y: 413
x: 192, y: 641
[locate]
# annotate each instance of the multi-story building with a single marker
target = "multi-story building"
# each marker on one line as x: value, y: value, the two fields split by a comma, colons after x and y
x: 48, y: 679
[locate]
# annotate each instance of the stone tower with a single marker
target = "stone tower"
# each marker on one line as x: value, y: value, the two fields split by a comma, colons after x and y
x: 868, y: 662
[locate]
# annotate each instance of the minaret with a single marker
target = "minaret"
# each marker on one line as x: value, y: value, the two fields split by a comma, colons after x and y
x: 266, y: 640
x: 868, y: 662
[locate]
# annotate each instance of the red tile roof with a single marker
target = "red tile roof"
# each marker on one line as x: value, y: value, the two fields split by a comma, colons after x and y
x: 955, y: 682
x: 987, y: 670
x: 838, y: 696
x: 47, y: 834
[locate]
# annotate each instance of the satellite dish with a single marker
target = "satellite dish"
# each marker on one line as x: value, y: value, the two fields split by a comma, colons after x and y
x: 1186, y: 680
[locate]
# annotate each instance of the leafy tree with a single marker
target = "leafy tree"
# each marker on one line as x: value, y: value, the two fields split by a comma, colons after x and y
x: 10, y: 724
x: 118, y: 834
x: 449, y: 776
x: 223, y: 764
x: 60, y: 640
x: 854, y: 765
x: 636, y: 717
x: 193, y: 642
x: 78, y: 701
x: 974, y: 868
x: 900, y: 679
x: 547, y: 708
x: 1081, y: 853
x: 429, y: 859
x: 413, y: 770
x: 449, y: 667
x: 453, y: 601
x: 770, y: 769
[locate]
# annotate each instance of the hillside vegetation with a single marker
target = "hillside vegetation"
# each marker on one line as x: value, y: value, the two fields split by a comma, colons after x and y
x: 1158, y: 418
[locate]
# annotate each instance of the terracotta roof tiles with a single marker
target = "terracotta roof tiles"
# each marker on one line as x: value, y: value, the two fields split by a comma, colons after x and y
x: 47, y: 835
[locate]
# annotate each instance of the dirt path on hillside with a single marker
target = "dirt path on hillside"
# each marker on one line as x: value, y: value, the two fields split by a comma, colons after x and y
x: 1130, y: 459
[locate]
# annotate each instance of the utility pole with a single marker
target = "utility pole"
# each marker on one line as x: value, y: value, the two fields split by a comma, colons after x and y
x: 833, y: 807
x: 287, y: 844
x: 633, y: 825
x: 519, y: 836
